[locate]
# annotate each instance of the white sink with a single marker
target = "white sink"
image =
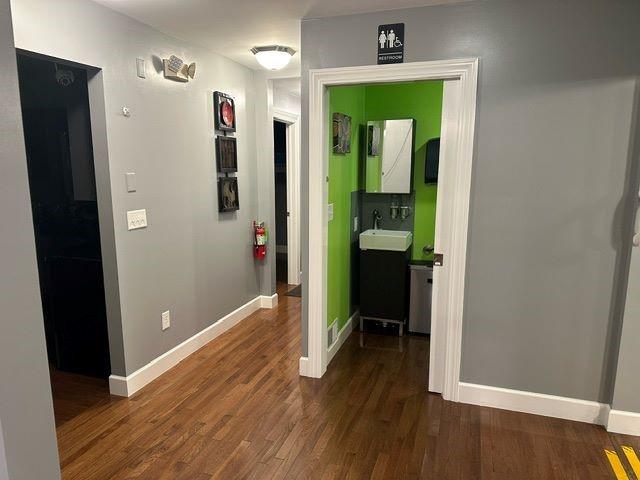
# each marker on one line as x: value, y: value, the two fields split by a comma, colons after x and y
x: 392, y: 240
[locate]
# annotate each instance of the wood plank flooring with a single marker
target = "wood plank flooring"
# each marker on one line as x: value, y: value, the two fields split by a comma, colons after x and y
x: 237, y: 409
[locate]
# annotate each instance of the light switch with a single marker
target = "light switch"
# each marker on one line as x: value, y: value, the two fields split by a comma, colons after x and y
x: 131, y: 181
x: 136, y: 219
x: 140, y: 68
x: 330, y: 211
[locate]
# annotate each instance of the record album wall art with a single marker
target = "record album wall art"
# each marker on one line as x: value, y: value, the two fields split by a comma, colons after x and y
x: 225, y: 112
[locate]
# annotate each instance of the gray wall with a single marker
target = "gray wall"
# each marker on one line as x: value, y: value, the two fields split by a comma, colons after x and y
x: 627, y: 385
x: 26, y: 413
x: 556, y: 90
x: 266, y: 191
x: 191, y: 259
x: 627, y: 381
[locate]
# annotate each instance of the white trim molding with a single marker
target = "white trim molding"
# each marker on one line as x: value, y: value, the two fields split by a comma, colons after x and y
x: 627, y: 423
x: 127, y: 386
x: 269, y: 301
x: 463, y: 72
x: 535, y: 403
x: 303, y: 367
x: 343, y: 334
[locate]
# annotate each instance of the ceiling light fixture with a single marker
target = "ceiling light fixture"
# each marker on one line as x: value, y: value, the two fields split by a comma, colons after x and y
x: 273, y: 57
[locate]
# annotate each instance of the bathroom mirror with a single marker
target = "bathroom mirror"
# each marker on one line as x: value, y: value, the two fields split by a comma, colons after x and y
x: 389, y: 156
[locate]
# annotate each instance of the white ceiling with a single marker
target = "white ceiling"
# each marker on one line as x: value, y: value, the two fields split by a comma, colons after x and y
x: 232, y: 27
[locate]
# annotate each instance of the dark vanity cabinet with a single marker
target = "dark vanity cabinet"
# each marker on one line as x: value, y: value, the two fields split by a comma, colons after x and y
x: 384, y: 285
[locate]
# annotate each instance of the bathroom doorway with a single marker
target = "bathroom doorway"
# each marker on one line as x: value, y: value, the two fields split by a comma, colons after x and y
x: 456, y: 153
x: 382, y: 175
x: 59, y: 147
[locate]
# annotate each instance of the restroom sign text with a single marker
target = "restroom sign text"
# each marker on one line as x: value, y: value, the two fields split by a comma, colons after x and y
x: 391, y: 43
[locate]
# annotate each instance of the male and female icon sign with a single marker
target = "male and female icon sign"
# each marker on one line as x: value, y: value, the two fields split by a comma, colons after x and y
x: 388, y: 39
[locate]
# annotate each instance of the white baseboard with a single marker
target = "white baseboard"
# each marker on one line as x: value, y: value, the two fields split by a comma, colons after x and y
x: 269, y: 301
x: 627, y: 423
x: 127, y: 386
x: 536, y: 403
x: 343, y: 334
x: 304, y: 367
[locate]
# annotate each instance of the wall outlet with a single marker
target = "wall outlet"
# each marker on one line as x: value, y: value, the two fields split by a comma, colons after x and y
x: 355, y: 224
x: 330, y: 211
x: 166, y: 320
x: 136, y: 219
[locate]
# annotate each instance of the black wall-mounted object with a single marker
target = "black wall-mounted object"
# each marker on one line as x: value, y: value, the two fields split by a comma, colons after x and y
x: 390, y: 43
x: 431, y: 161
x: 228, y: 198
x: 226, y: 154
x: 224, y: 112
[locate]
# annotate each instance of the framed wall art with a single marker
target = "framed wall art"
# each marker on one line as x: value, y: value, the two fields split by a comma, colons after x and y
x: 224, y: 112
x: 228, y: 200
x: 341, y: 133
x: 226, y: 154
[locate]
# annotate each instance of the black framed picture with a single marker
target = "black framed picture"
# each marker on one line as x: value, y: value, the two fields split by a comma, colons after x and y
x: 341, y: 133
x: 224, y: 112
x: 228, y: 200
x: 226, y: 154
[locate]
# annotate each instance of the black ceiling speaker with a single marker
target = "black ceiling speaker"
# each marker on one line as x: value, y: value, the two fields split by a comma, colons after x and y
x: 431, y: 161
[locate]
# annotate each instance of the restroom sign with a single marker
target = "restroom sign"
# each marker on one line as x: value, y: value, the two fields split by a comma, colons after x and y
x: 391, y: 43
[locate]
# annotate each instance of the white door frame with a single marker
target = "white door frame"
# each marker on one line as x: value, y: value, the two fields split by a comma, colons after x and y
x: 460, y: 111
x: 293, y: 193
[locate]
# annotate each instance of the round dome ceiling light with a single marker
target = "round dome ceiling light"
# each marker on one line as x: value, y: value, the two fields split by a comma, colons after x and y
x: 273, y: 57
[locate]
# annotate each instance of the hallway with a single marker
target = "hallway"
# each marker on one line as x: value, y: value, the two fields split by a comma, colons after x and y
x: 238, y: 409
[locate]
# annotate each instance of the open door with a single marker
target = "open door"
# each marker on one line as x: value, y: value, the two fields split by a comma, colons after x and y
x: 443, y: 235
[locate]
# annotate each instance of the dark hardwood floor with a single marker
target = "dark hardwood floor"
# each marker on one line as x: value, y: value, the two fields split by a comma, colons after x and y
x: 74, y: 394
x: 237, y: 409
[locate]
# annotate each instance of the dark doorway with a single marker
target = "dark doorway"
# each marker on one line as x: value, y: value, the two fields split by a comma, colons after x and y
x: 280, y: 169
x: 57, y: 130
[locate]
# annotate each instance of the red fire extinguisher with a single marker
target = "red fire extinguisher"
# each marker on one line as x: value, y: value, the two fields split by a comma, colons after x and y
x: 259, y: 241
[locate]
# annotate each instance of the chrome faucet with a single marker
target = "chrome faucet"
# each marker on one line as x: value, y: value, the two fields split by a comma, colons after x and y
x: 377, y: 218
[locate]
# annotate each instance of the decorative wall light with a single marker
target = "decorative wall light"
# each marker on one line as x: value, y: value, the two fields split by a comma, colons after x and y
x: 176, y: 69
x: 273, y: 57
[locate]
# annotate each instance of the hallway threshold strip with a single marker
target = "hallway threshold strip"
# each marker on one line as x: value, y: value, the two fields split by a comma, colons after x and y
x: 616, y: 463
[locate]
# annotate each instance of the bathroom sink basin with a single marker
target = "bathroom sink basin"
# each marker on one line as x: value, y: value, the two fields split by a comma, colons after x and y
x: 392, y: 240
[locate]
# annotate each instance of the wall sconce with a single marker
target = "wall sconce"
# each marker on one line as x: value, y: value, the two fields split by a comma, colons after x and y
x: 176, y: 69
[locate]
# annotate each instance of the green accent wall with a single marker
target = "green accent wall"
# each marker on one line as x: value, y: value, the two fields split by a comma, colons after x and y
x: 344, y: 178
x: 419, y: 100
x: 423, y: 102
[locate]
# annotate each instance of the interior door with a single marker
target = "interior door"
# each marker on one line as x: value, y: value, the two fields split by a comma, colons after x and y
x: 443, y: 235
